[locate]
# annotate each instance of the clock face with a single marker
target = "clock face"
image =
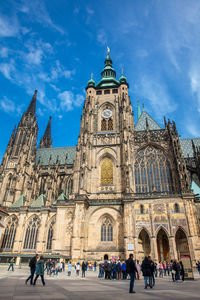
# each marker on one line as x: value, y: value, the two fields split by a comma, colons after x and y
x: 106, y: 113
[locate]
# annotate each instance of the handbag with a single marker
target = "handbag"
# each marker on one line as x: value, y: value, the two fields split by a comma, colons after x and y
x: 173, y: 272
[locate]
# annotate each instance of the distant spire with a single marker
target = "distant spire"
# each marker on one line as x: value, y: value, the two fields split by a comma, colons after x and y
x: 138, y: 110
x: 32, y: 105
x: 46, y: 141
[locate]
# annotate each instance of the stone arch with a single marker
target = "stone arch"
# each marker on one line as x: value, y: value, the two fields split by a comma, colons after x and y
x: 182, y: 246
x: 153, y: 171
x: 50, y: 232
x: 162, y: 239
x: 94, y: 229
x: 9, y: 232
x: 144, y: 245
x: 31, y: 232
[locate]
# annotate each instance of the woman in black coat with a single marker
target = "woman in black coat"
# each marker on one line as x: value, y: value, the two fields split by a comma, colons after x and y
x: 182, y: 271
x: 146, y: 271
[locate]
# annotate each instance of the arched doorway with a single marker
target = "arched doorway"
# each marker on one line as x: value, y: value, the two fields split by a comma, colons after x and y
x: 183, y: 252
x: 144, y: 247
x: 181, y: 244
x: 106, y: 257
x: 162, y: 245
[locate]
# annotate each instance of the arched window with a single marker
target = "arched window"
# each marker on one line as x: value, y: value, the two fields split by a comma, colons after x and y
x: 50, y: 235
x: 176, y: 208
x: 141, y: 208
x: 9, y: 233
x: 31, y: 234
x: 107, y: 124
x: 106, y: 230
x: 152, y: 171
x: 107, y: 171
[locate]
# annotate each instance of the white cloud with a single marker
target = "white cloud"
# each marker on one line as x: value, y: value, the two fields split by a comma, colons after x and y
x: 7, y: 69
x: 8, y: 28
x: 156, y: 92
x: 101, y: 37
x: 34, y: 56
x: 9, y: 106
x: 194, y: 77
x: 59, y: 71
x: 193, y: 129
x: 4, y: 51
x: 68, y: 100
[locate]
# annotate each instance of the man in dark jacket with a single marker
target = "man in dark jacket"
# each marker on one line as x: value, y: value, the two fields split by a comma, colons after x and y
x: 131, y: 270
x: 32, y: 265
x: 146, y: 271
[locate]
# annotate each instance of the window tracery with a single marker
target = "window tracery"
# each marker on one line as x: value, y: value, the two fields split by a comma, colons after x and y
x: 50, y: 235
x: 152, y: 171
x: 9, y: 233
x: 32, y: 234
x: 106, y: 230
x: 107, y: 171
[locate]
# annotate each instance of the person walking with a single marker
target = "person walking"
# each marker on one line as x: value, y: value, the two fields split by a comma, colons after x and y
x: 32, y: 265
x: 131, y: 270
x: 152, y: 271
x: 146, y: 271
x: 69, y: 268
x: 12, y: 261
x: 83, y: 269
x: 95, y: 266
x: 40, y: 270
x: 182, y: 271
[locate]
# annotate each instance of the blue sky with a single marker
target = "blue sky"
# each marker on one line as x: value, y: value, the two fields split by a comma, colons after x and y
x: 54, y: 46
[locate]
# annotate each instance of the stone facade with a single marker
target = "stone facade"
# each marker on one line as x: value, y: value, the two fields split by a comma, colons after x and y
x: 123, y: 189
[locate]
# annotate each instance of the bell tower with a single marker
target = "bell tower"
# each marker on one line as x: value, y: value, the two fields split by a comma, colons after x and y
x: 102, y: 164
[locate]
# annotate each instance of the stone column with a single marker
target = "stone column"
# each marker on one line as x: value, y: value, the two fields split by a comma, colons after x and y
x: 78, y: 234
x: 129, y: 228
x: 41, y: 239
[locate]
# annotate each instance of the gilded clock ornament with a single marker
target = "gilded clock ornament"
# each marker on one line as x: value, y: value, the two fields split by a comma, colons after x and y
x: 106, y: 113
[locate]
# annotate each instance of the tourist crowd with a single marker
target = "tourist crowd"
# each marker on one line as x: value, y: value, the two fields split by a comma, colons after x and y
x: 110, y: 270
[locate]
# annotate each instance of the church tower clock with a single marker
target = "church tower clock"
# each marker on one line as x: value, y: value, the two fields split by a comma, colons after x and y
x: 102, y: 165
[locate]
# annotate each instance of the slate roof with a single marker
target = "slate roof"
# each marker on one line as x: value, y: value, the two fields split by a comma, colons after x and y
x: 44, y: 155
x: 141, y: 123
x: 186, y: 146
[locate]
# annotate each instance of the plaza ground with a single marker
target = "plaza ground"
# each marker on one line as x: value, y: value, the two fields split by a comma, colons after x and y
x: 12, y: 286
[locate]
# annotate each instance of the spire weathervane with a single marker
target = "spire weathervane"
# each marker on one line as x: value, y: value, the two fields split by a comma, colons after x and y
x: 108, y: 50
x: 92, y: 75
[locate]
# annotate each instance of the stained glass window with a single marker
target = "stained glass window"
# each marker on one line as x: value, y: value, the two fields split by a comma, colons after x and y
x: 50, y: 236
x: 31, y: 234
x: 9, y: 233
x: 152, y: 171
x: 106, y: 230
x: 107, y: 171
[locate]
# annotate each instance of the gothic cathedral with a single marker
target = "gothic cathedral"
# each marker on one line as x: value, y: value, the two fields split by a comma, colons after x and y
x: 125, y: 188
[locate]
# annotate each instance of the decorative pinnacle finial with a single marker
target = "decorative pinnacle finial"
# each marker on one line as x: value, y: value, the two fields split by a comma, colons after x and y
x: 108, y: 50
x: 35, y: 92
x: 92, y: 75
x: 122, y: 72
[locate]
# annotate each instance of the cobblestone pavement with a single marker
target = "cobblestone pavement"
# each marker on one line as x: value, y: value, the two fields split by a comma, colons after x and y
x: 12, y: 286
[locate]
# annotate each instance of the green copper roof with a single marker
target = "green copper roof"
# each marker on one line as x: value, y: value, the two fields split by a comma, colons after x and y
x: 186, y: 146
x: 19, y: 202
x: 195, y: 188
x: 49, y: 156
x: 141, y: 123
x: 40, y: 201
x: 62, y: 197
x: 138, y: 110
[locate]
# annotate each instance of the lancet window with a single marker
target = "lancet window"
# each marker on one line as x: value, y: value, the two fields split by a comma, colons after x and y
x: 152, y: 171
x: 106, y: 230
x: 9, y: 233
x: 50, y: 235
x: 32, y: 234
x: 107, y: 124
x: 107, y: 171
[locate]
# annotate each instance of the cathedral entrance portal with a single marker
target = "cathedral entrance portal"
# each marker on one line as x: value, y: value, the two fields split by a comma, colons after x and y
x: 144, y: 247
x: 163, y: 246
x: 106, y: 257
